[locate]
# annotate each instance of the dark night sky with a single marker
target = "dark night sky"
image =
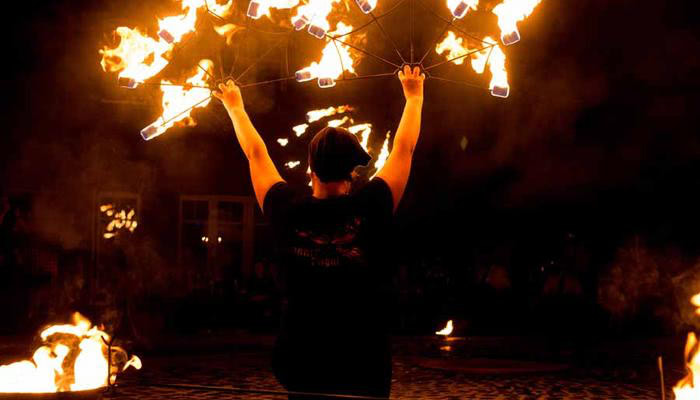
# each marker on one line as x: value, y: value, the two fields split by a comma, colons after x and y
x: 599, y: 134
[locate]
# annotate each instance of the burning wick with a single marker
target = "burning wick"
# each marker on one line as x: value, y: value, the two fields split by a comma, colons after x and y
x: 459, y: 8
x: 509, y: 13
x: 366, y: 5
x: 254, y: 9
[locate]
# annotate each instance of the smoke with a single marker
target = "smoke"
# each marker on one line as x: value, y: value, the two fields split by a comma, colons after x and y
x: 651, y: 283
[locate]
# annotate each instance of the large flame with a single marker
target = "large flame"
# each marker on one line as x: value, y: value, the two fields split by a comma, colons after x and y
x: 454, y: 47
x: 139, y: 57
x: 509, y: 13
x: 53, y: 370
x: 688, y: 388
x: 179, y: 102
x: 334, y: 59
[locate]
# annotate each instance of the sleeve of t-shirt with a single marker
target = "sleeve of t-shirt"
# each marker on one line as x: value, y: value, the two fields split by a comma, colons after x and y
x: 277, y: 203
x: 376, y: 196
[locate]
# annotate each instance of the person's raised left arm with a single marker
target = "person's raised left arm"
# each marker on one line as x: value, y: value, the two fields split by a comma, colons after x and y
x: 263, y: 172
x: 397, y: 168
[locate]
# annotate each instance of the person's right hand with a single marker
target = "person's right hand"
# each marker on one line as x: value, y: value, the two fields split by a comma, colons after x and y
x: 412, y: 82
x: 230, y: 95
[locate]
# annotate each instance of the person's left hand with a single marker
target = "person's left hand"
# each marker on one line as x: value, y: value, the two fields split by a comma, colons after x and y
x: 230, y: 95
x: 412, y: 82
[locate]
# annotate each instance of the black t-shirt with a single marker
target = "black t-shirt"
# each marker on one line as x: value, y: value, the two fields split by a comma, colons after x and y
x: 332, y: 254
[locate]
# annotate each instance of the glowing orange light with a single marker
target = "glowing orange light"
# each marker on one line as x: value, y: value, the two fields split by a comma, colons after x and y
x: 509, y: 13
x: 52, y: 370
x: 447, y: 330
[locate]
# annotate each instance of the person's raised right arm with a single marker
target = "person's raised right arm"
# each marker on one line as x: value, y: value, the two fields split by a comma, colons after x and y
x: 263, y: 172
x: 398, y: 166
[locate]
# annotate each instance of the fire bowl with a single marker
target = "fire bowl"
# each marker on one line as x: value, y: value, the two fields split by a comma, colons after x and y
x: 95, y: 394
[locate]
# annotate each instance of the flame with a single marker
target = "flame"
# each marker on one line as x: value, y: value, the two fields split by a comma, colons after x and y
x: 509, y: 13
x: 259, y: 8
x: 688, y: 388
x: 383, y: 155
x: 48, y: 372
x: 177, y: 99
x: 334, y: 59
x: 292, y: 164
x: 447, y: 330
x: 454, y: 46
x: 138, y: 57
x: 228, y: 31
x: 335, y: 123
x: 459, y: 8
x: 314, y: 14
x: 300, y: 129
x: 315, y: 115
x: 364, y: 130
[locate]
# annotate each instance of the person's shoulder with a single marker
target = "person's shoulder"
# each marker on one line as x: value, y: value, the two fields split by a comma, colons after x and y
x: 375, y: 183
x: 283, y: 195
x: 375, y: 192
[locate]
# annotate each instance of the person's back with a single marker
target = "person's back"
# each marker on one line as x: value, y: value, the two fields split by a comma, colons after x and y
x: 331, y: 249
x: 333, y: 256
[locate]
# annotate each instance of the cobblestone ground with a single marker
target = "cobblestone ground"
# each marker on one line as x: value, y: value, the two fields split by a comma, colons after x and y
x: 251, y: 371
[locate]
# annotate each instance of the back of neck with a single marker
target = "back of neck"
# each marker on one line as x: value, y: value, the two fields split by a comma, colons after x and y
x: 331, y: 189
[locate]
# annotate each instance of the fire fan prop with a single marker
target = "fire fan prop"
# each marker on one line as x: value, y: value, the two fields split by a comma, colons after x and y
x: 140, y: 57
x: 73, y: 357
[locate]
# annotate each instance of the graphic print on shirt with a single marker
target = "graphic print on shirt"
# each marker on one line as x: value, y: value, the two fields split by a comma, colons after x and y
x: 335, y: 247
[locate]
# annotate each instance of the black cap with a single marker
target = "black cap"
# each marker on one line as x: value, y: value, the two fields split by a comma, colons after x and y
x: 334, y: 153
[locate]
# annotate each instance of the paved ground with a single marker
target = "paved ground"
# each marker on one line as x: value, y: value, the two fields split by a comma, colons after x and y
x: 473, y: 368
x: 251, y: 371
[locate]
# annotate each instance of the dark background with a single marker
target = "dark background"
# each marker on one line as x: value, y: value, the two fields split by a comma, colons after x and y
x: 571, y: 211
